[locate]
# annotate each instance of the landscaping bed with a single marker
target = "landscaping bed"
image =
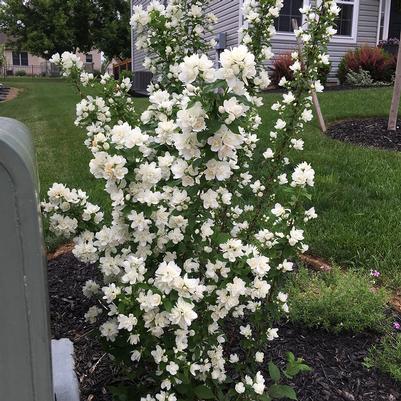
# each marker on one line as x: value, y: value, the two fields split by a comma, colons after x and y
x: 367, y: 132
x: 336, y: 359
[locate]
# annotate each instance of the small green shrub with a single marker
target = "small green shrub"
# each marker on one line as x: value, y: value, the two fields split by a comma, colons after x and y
x: 337, y: 301
x: 386, y: 356
x: 363, y: 78
x: 20, y: 73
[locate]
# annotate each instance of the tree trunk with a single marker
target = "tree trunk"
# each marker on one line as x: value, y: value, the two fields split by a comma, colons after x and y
x: 395, y: 101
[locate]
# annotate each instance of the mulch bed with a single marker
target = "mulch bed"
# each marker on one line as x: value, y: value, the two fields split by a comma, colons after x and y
x: 371, y: 132
x: 338, y: 373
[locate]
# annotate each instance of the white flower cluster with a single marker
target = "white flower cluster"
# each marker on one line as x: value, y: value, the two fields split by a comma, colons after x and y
x: 172, y: 32
x: 62, y: 200
x: 197, y: 236
x: 68, y: 62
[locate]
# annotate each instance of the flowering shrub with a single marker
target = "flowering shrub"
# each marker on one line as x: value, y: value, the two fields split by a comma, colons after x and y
x: 281, y: 68
x: 379, y: 64
x: 198, y: 246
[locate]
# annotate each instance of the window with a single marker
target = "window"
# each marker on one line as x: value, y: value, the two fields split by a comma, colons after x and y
x: 89, y: 58
x: 384, y: 20
x: 289, y: 11
x: 20, y: 58
x: 346, y: 21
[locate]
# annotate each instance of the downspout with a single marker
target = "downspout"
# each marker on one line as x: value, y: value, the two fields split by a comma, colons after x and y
x: 132, y: 41
x: 379, y: 21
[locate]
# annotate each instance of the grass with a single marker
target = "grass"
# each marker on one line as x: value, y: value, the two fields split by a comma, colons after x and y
x: 357, y: 193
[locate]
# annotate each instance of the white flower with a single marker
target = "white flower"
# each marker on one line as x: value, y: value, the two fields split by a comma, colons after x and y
x: 268, y: 153
x: 259, y: 265
x: 126, y: 322
x: 246, y: 331
x: 286, y: 266
x: 159, y: 354
x: 278, y: 210
x: 196, y: 11
x: 272, y: 334
x: 280, y: 124
x: 303, y: 175
x: 135, y: 356
x: 192, y: 119
x: 259, y: 385
x: 288, y: 97
x: 219, y: 170
x: 194, y: 65
x: 310, y: 214
x: 318, y: 86
x: 166, y: 276
x: 307, y: 115
x: 282, y: 297
x: 240, y: 388
x: 297, y: 144
x: 225, y: 142
x: 92, y: 314
x: 209, y: 199
x: 324, y: 58
x: 109, y: 330
x: 111, y: 292
x: 232, y: 249
x: 296, y: 66
x: 233, y: 108
x: 183, y: 314
x: 172, y: 368
x: 295, y: 236
x: 125, y: 136
x: 259, y: 356
x: 90, y: 288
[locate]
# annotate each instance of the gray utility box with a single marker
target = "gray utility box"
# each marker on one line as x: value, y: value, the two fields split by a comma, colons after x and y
x: 25, y: 362
x: 221, y: 39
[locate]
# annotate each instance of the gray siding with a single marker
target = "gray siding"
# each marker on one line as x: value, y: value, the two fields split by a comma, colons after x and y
x: 228, y: 13
x: 139, y: 55
x: 366, y: 34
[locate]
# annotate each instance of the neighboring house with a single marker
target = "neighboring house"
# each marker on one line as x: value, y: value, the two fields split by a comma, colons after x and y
x: 360, y: 22
x: 33, y: 65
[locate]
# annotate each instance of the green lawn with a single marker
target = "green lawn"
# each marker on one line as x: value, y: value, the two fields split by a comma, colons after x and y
x: 357, y: 194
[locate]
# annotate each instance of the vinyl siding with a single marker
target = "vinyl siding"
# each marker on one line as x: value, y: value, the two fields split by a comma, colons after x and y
x: 228, y: 13
x: 139, y: 55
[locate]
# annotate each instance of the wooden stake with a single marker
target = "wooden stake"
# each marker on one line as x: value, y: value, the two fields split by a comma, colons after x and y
x: 395, y: 101
x: 315, y: 100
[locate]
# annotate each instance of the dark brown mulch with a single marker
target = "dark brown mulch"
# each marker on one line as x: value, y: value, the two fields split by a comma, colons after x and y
x: 338, y: 373
x: 66, y: 277
x: 367, y: 132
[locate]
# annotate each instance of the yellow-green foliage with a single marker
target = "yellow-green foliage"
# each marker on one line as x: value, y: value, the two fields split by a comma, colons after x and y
x: 337, y: 301
x: 387, y: 356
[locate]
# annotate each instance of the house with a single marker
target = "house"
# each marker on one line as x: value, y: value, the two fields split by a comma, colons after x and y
x: 19, y: 60
x: 360, y: 22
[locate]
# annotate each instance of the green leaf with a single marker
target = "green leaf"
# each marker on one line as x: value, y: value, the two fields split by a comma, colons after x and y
x: 282, y: 391
x: 274, y: 372
x: 168, y: 305
x: 291, y: 357
x: 203, y: 392
x: 183, y: 389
